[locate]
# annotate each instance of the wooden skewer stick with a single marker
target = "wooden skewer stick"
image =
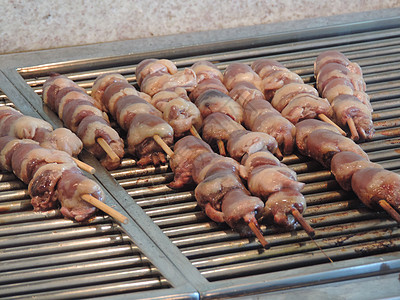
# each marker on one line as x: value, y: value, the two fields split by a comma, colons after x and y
x: 308, y: 229
x: 107, y: 149
x: 194, y: 132
x: 83, y: 166
x: 279, y: 154
x: 258, y: 234
x: 299, y: 218
x: 221, y: 147
x: 163, y: 145
x: 361, y: 132
x: 104, y: 207
x: 353, y: 129
x: 327, y: 120
x: 390, y: 210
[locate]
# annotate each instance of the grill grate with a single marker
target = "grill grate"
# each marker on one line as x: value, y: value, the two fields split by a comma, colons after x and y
x: 347, y: 231
x: 43, y: 254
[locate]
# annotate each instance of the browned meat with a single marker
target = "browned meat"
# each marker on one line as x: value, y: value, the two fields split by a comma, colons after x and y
x: 15, y: 124
x: 178, y: 111
x: 141, y: 142
x: 205, y: 85
x: 305, y: 127
x: 253, y: 109
x: 140, y: 119
x: 101, y: 83
x: 152, y: 66
x: 265, y: 180
x: 374, y: 184
x: 334, y: 56
x: 239, y: 72
x: 51, y: 175
x: 185, y: 152
x: 212, y: 189
x: 276, y: 80
x: 208, y: 163
x: 345, y: 164
x: 342, y: 83
x: 206, y: 70
x: 8, y: 145
x: 129, y: 106
x: 305, y: 106
x: 264, y: 66
x: 279, y: 128
x: 279, y: 206
x: 93, y: 127
x: 115, y: 91
x: 52, y: 88
x: 239, y: 209
x: 243, y: 92
x: 243, y: 142
x: 274, y: 76
x: 215, y: 101
x: 43, y: 186
x: 155, y: 83
x: 286, y: 93
x: 334, y: 70
x: 71, y: 186
x: 257, y: 159
x: 323, y: 144
x: 79, y: 117
x: 346, y: 107
x: 343, y: 86
x: 259, y: 115
x: 219, y: 126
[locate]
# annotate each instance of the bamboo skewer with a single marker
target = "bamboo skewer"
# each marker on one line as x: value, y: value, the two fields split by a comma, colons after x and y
x: 194, y: 132
x: 163, y: 145
x: 258, y: 234
x: 299, y: 218
x: 353, y: 129
x: 104, y: 207
x: 320, y: 249
x: 252, y: 226
x: 106, y: 147
x: 278, y: 154
x: 324, y: 118
x: 308, y: 229
x: 221, y: 147
x: 390, y: 210
x: 84, y: 166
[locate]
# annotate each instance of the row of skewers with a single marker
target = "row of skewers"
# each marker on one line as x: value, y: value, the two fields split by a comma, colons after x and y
x: 270, y: 101
x: 43, y: 158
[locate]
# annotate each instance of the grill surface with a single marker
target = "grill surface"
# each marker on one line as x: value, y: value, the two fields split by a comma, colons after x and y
x: 362, y: 243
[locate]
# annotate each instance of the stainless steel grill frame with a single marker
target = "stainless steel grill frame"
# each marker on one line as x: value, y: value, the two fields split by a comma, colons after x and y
x: 201, y: 258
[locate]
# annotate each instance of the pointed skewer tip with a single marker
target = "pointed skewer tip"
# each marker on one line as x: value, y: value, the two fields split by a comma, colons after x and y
x: 390, y: 210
